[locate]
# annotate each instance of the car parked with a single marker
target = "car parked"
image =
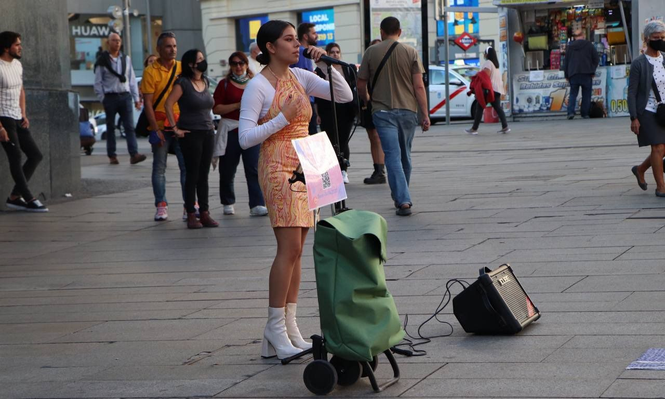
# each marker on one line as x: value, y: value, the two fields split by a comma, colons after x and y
x: 461, y: 105
x: 119, y: 128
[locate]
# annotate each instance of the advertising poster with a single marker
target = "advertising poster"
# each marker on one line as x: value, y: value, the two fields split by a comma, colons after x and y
x: 246, y: 30
x: 551, y: 93
x: 324, y: 21
x: 409, y: 15
x: 502, y: 53
x: 321, y: 168
x: 617, y: 91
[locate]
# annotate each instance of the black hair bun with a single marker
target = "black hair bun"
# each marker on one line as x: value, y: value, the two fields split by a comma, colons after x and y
x: 263, y: 59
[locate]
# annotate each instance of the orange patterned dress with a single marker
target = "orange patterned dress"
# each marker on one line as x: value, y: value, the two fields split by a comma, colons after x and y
x: 287, y: 205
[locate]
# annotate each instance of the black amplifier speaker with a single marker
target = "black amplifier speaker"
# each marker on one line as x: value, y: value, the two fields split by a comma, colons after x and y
x: 496, y: 303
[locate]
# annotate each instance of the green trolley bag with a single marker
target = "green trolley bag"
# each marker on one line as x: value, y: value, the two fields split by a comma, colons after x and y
x: 359, y: 319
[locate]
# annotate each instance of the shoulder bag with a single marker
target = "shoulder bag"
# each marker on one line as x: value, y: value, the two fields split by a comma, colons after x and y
x: 368, y: 106
x: 142, y: 125
x: 660, y: 107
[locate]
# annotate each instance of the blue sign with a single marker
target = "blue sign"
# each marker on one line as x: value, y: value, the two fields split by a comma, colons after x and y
x: 246, y: 30
x: 324, y: 21
x: 460, y: 22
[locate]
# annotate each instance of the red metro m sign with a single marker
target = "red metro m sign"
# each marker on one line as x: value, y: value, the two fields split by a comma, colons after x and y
x: 465, y: 41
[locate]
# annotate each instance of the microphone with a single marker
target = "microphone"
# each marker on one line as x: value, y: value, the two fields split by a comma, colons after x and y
x: 328, y: 60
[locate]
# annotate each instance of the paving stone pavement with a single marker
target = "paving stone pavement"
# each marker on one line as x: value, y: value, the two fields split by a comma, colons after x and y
x: 99, y: 301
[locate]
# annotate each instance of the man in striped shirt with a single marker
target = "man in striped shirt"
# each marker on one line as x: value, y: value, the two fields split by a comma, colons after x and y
x: 14, y: 134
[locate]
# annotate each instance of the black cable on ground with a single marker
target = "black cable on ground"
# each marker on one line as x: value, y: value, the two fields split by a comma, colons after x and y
x: 411, y: 342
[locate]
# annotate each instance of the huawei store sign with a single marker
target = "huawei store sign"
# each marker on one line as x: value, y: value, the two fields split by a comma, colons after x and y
x: 90, y: 30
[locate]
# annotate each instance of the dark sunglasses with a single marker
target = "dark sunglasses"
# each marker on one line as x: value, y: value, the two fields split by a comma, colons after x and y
x: 237, y: 63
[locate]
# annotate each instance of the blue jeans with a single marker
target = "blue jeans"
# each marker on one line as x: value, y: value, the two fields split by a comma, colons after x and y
x: 586, y: 82
x: 159, y: 155
x: 228, y: 164
x: 119, y: 104
x: 396, y: 129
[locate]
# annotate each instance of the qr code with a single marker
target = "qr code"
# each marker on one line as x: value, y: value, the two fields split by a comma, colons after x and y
x: 326, y: 181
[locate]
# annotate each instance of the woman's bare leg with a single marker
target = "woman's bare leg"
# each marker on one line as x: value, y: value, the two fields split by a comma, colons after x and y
x: 289, y: 251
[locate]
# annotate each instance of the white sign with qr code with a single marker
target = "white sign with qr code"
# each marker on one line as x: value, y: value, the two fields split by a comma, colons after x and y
x: 323, y: 175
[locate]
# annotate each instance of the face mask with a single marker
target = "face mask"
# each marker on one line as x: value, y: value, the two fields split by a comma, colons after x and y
x: 658, y: 45
x: 202, y: 66
x: 243, y: 76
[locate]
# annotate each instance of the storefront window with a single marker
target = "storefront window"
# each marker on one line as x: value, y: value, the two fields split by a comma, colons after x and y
x: 324, y: 21
x: 246, y: 30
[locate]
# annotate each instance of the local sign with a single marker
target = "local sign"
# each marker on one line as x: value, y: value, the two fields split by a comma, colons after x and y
x: 465, y: 41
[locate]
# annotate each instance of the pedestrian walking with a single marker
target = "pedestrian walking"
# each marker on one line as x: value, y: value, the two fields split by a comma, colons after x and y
x: 397, y: 93
x: 307, y: 38
x: 14, y: 125
x: 273, y: 112
x: 491, y: 68
x: 646, y: 91
x: 115, y: 86
x: 378, y: 176
x: 254, y: 66
x: 156, y: 85
x: 580, y: 68
x: 195, y: 133
x: 228, y: 152
x: 346, y: 112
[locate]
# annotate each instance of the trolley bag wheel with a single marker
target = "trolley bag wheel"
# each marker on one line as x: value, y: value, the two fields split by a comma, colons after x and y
x: 320, y: 377
x: 348, y: 371
x: 374, y: 364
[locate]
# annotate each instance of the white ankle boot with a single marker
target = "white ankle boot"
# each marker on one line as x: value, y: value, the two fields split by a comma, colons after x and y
x: 275, y: 340
x: 292, y: 328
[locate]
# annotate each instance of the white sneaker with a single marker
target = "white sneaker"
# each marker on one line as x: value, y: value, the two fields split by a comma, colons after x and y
x: 471, y: 132
x: 345, y: 177
x: 228, y: 210
x: 259, y: 210
x: 162, y: 212
x: 504, y: 131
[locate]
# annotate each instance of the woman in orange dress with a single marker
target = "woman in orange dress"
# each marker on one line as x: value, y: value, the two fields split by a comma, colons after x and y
x: 274, y: 110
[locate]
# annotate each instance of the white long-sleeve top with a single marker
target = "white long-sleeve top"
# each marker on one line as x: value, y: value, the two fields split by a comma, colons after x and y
x: 259, y: 95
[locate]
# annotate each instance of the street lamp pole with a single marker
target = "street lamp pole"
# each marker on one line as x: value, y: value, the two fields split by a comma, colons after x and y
x: 149, y: 23
x: 127, y: 39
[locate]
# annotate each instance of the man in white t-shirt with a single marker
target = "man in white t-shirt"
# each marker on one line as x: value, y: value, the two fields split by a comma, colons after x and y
x: 14, y: 134
x: 254, y: 65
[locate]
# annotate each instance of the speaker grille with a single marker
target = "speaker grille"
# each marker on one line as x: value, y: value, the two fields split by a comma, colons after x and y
x: 512, y: 293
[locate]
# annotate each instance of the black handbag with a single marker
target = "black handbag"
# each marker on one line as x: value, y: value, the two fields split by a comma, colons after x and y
x: 660, y: 107
x: 142, y: 125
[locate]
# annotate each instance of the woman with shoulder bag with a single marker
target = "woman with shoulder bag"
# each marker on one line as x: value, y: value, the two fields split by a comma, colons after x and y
x: 491, y: 68
x: 195, y: 133
x: 227, y: 147
x: 646, y: 91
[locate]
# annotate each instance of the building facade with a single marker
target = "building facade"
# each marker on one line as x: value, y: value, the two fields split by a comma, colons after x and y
x: 90, y: 23
x: 51, y: 105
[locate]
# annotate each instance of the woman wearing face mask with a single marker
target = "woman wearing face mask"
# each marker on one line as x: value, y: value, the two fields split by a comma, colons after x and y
x: 195, y: 133
x: 227, y: 147
x: 275, y: 109
x: 491, y: 68
x: 647, y: 71
x: 346, y: 113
